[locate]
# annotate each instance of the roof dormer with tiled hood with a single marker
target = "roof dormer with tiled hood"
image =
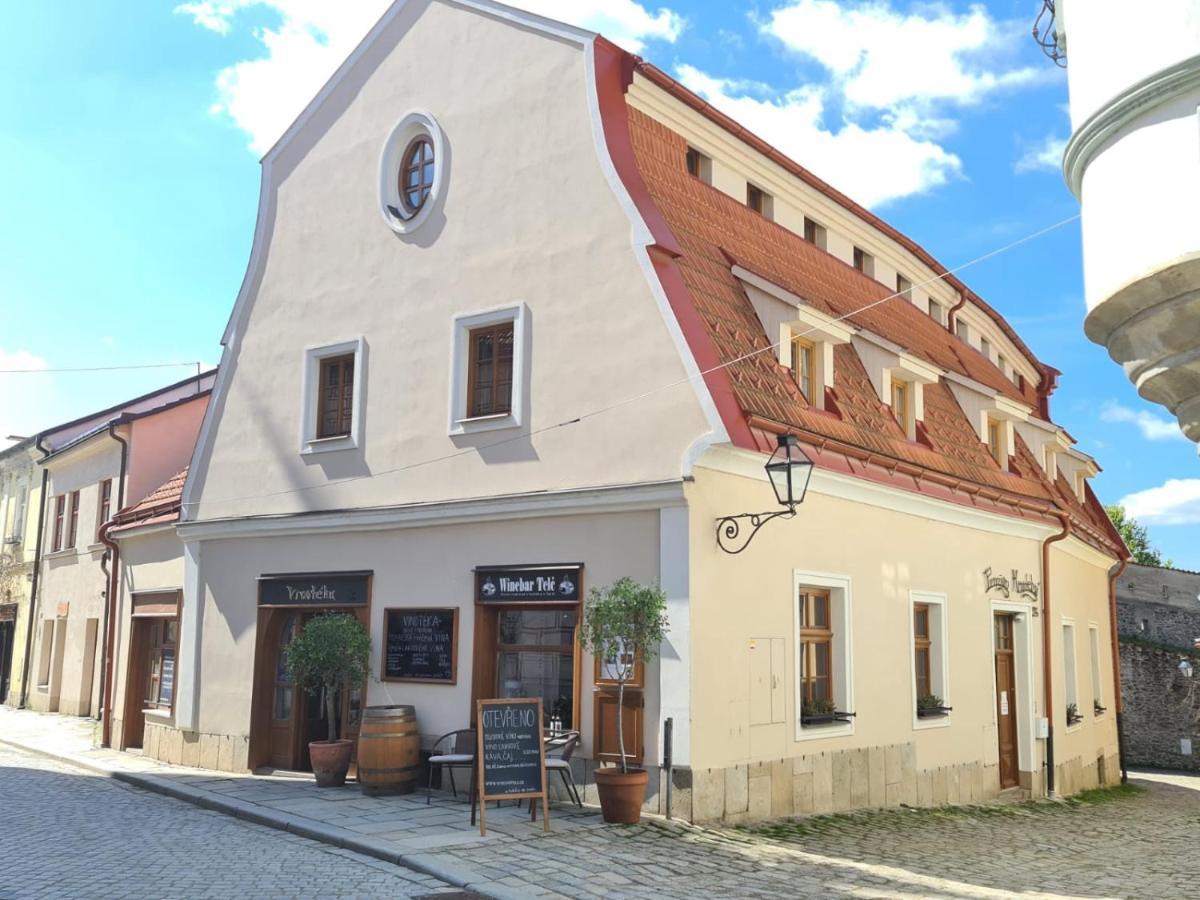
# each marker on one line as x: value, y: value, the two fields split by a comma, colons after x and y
x: 933, y: 392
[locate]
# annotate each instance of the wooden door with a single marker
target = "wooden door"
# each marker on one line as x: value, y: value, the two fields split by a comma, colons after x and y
x: 1006, y: 701
x: 133, y: 726
x: 7, y: 635
x: 285, y: 698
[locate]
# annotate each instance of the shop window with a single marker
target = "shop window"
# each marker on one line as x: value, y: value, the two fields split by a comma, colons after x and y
x: 60, y: 506
x: 333, y: 380
x: 699, y: 165
x: 535, y: 657
x: 803, y: 363
x: 864, y: 262
x: 104, y: 507
x: 160, y: 664
x: 1094, y: 648
x: 490, y: 371
x: 815, y: 233
x: 930, y: 682
x: 72, y: 520
x: 1071, y: 688
x: 490, y: 365
x: 823, y: 656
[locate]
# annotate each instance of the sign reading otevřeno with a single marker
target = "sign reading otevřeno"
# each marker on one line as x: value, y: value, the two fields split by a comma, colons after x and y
x: 314, y: 589
x: 528, y: 584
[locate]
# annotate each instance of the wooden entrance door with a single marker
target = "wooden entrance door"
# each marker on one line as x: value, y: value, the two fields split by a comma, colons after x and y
x: 7, y: 636
x: 1006, y: 700
x: 285, y: 697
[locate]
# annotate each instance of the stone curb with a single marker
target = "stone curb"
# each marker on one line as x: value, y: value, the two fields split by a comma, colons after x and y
x: 425, y: 863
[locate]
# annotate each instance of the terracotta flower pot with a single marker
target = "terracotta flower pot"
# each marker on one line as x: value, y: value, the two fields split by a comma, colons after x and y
x: 330, y: 761
x: 621, y: 794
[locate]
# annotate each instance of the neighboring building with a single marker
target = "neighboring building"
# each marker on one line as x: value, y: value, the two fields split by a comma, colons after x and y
x: 471, y: 389
x: 96, y: 465
x: 20, y: 496
x: 1135, y: 87
x: 1158, y: 614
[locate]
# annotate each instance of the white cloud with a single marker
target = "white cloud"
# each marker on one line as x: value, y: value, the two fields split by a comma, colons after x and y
x: 850, y: 157
x: 880, y: 57
x: 1175, y: 502
x: 20, y: 404
x: 265, y: 94
x: 1152, y: 427
x: 1044, y: 156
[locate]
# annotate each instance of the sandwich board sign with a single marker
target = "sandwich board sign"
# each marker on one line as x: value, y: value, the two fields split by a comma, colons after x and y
x: 510, y: 760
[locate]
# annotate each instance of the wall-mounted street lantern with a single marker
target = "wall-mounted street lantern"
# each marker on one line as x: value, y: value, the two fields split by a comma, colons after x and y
x: 1185, y: 668
x: 788, y: 470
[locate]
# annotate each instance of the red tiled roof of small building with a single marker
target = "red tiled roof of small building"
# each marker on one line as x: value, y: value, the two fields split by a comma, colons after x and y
x: 159, y: 507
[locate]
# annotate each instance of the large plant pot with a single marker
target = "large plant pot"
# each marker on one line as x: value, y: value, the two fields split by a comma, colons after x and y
x: 621, y: 794
x: 330, y: 761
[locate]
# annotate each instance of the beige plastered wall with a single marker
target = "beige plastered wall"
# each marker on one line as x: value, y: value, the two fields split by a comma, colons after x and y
x: 417, y: 567
x: 151, y: 560
x: 740, y: 603
x: 161, y: 446
x: 526, y: 216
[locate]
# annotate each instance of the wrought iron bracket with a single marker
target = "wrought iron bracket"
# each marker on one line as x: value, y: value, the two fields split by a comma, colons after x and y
x: 729, y: 528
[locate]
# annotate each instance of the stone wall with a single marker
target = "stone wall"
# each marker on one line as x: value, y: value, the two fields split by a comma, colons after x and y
x: 222, y: 752
x: 1159, y: 605
x: 1162, y: 707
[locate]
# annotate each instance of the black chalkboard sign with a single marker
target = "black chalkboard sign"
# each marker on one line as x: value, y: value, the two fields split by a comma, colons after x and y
x: 420, y: 645
x: 510, y: 759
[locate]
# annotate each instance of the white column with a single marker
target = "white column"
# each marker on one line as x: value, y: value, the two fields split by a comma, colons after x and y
x: 675, y: 666
x: 187, y: 676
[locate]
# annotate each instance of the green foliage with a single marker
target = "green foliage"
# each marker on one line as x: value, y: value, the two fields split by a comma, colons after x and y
x: 929, y: 701
x: 331, y: 653
x: 624, y: 622
x: 1073, y: 715
x: 1133, y: 533
x: 810, y: 707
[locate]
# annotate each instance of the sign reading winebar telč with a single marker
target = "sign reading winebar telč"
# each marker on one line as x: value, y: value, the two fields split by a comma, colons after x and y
x: 529, y: 584
x: 314, y: 589
x: 1023, y: 587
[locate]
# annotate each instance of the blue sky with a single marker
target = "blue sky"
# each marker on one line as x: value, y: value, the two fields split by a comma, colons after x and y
x: 130, y: 136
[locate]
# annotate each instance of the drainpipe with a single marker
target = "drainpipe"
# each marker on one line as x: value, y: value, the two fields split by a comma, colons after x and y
x: 962, y: 299
x: 37, y: 571
x: 110, y: 595
x: 1116, y: 661
x: 1047, y: 669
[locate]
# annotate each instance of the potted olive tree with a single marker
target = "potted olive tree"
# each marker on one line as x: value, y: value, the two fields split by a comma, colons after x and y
x: 331, y: 654
x: 623, y: 623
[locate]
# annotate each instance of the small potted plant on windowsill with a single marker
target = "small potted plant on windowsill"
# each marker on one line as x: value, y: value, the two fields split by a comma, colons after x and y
x: 623, y: 623
x: 930, y: 707
x: 822, y: 712
x: 1097, y: 709
x: 1073, y: 716
x: 331, y: 654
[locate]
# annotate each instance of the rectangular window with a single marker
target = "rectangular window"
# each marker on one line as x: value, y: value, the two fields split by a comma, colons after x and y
x: 1002, y: 364
x: 921, y: 648
x: 814, y: 233
x: 160, y: 666
x: 937, y: 312
x: 1070, y: 686
x: 335, y: 396
x: 47, y: 651
x: 490, y: 371
x: 60, y: 506
x: 758, y: 200
x: 802, y: 366
x: 699, y: 165
x: 105, y: 507
x: 961, y: 329
x: 985, y: 347
x: 901, y: 402
x: 864, y: 262
x: 73, y: 520
x: 903, y: 287
x: 1094, y: 647
x: 816, y: 652
x: 18, y: 523
x: 995, y: 440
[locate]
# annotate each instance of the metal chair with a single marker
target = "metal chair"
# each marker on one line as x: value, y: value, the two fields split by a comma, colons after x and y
x: 565, y: 743
x: 459, y: 753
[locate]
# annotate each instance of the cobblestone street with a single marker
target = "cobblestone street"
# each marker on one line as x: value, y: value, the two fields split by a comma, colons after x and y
x: 69, y: 833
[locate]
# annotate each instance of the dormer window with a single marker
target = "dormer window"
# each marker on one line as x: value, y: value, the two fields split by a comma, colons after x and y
x: 961, y: 329
x: 1003, y: 365
x: 903, y: 287
x: 699, y: 165
x: 804, y: 366
x: 985, y: 347
x: 758, y: 200
x: 1081, y: 485
x: 864, y: 262
x: 902, y: 403
x: 814, y: 233
x: 937, y: 312
x: 995, y: 441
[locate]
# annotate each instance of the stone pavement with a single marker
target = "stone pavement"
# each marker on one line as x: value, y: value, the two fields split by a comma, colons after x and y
x: 1128, y: 846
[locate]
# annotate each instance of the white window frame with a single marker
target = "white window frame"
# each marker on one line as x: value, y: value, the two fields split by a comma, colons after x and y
x: 939, y: 654
x: 461, y: 328
x: 416, y: 123
x: 1097, y: 674
x: 1070, y: 659
x: 310, y: 385
x: 841, y: 616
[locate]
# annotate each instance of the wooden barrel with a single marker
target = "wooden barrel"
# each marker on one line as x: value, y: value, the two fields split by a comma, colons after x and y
x: 389, y: 750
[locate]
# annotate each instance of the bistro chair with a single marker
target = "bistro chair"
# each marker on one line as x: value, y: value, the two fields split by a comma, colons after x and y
x: 564, y: 743
x: 458, y: 753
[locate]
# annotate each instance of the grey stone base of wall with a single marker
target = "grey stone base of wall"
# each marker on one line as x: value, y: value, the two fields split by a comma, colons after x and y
x: 222, y: 752
x: 1162, y: 708
x: 1079, y: 774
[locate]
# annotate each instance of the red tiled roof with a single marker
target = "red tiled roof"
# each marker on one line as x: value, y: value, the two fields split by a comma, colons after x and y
x: 160, y: 506
x: 712, y: 232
